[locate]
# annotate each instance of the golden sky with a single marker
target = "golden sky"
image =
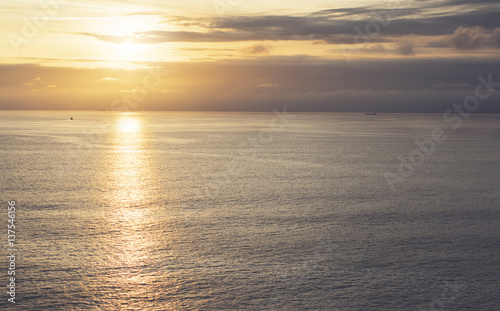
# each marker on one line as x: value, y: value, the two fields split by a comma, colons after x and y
x: 209, y: 53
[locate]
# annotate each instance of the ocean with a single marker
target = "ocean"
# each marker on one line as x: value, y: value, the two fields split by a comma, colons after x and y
x: 250, y: 211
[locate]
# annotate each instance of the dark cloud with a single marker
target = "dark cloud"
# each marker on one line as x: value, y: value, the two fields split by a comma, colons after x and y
x: 377, y: 48
x: 151, y: 37
x: 368, y: 12
x: 475, y: 38
x: 470, y: 2
x: 258, y: 49
x: 304, y: 83
x: 404, y: 48
x: 328, y: 26
x: 277, y: 27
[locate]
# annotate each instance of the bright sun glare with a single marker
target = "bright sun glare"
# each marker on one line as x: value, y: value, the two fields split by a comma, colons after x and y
x: 129, y: 125
x: 129, y: 50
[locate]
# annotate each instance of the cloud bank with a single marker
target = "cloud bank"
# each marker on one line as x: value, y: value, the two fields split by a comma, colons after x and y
x: 302, y: 83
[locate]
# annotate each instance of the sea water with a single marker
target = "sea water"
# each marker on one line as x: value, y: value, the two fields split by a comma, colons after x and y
x: 251, y: 211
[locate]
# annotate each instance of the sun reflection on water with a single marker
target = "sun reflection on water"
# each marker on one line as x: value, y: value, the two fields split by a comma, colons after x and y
x: 134, y: 243
x: 130, y: 242
x: 129, y: 125
x: 130, y: 186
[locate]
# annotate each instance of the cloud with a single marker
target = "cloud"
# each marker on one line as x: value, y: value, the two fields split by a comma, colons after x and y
x: 267, y: 85
x: 160, y: 36
x: 451, y: 86
x: 404, y: 48
x: 470, y: 2
x: 378, y: 48
x: 258, y: 49
x: 303, y: 83
x: 368, y: 12
x: 475, y: 38
x: 333, y: 26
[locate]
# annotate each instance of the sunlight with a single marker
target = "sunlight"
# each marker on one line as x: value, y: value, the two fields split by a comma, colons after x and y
x: 128, y: 125
x: 129, y: 50
x: 128, y: 210
x: 125, y: 29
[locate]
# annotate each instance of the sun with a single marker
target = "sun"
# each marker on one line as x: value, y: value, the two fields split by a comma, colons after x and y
x: 129, y: 50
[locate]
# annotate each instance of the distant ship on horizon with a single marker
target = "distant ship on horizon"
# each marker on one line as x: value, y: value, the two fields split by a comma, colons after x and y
x: 370, y: 113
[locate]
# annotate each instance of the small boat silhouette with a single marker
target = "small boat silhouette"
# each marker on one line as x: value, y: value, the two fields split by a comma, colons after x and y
x: 71, y: 118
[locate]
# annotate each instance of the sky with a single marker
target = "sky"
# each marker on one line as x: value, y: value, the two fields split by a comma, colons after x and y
x: 241, y: 55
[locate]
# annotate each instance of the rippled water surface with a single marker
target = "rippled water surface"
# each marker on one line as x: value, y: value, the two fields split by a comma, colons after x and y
x: 251, y: 211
